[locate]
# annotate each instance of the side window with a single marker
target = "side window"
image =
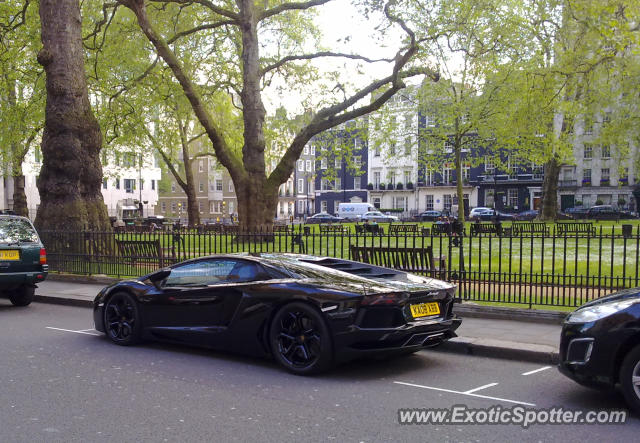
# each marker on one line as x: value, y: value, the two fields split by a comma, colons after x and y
x: 204, y: 272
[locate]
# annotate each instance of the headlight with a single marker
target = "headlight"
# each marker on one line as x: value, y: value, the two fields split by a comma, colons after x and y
x: 593, y: 313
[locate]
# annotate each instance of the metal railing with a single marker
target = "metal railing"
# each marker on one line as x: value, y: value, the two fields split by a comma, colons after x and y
x: 549, y: 269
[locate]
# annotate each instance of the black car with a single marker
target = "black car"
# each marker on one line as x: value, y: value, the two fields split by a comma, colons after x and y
x: 429, y: 216
x: 307, y: 312
x: 493, y: 215
x: 600, y: 344
x: 529, y: 215
x: 23, y: 259
x: 323, y: 217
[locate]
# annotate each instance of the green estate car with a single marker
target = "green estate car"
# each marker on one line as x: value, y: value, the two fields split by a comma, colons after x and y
x: 23, y: 259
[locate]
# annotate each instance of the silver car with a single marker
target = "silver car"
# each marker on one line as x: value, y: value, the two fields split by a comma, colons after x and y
x: 378, y: 217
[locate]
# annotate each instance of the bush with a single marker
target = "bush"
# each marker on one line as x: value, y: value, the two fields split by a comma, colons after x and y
x: 370, y: 186
x: 577, y: 203
x: 399, y: 186
x: 409, y: 185
x: 599, y: 202
x: 381, y: 186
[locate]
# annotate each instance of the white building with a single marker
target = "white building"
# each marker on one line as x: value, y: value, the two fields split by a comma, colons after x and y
x: 126, y: 179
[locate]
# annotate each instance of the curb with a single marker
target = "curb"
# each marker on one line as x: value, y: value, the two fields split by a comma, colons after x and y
x: 502, y: 313
x: 501, y: 349
x: 66, y: 301
x: 78, y: 278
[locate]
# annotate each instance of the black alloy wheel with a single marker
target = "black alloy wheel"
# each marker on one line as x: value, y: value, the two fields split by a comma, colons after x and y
x: 23, y: 296
x: 300, y: 339
x: 630, y: 379
x: 121, y: 319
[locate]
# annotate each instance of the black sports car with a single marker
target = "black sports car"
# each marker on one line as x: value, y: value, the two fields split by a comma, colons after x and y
x: 600, y: 344
x: 307, y: 312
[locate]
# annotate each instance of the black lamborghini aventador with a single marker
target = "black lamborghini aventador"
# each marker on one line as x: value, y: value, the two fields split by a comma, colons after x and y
x: 307, y: 312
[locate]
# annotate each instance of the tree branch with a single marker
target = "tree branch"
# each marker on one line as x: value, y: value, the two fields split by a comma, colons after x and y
x: 290, y: 58
x: 206, y: 3
x: 290, y: 7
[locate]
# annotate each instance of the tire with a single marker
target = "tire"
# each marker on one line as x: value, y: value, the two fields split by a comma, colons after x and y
x: 629, y: 371
x: 300, y: 339
x: 23, y: 296
x: 122, y: 319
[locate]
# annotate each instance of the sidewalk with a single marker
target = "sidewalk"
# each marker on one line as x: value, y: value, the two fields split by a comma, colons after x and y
x: 526, y: 339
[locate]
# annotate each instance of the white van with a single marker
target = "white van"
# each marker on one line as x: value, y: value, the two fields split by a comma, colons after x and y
x: 353, y: 211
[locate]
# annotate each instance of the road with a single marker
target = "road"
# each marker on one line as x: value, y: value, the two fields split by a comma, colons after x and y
x: 62, y: 381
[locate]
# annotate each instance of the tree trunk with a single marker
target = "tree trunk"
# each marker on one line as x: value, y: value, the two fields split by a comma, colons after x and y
x: 71, y: 175
x: 257, y: 204
x: 550, y: 190
x: 459, y: 190
x: 189, y: 187
x: 19, y: 196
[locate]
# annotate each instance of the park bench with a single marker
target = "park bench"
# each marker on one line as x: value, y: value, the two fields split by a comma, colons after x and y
x: 530, y: 228
x: 369, y: 227
x: 333, y: 229
x: 281, y: 228
x: 575, y: 228
x: 418, y: 260
x: 486, y: 228
x: 441, y: 228
x: 403, y: 229
x: 142, y: 252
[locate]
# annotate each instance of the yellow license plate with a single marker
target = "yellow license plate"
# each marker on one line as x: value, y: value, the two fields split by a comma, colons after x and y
x: 425, y: 309
x: 10, y: 254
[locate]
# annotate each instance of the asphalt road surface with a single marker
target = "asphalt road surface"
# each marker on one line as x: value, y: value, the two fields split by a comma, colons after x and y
x: 62, y: 381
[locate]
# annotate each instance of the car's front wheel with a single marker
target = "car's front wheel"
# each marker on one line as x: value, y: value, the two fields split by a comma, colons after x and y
x: 23, y: 296
x: 122, y: 319
x: 630, y: 378
x: 300, y: 339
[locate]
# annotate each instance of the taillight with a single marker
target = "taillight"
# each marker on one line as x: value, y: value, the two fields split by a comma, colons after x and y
x: 384, y: 299
x: 43, y: 256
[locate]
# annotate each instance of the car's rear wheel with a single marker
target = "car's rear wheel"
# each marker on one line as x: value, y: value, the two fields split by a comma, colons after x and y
x: 122, y: 319
x: 23, y: 296
x: 630, y: 378
x: 300, y: 339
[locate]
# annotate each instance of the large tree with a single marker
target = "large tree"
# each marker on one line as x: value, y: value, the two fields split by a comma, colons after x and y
x: 71, y: 175
x: 270, y: 27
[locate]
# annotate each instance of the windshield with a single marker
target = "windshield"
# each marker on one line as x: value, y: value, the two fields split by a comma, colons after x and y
x: 16, y: 230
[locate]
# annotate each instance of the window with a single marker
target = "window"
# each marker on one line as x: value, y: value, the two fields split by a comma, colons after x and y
x: 586, y: 175
x: 606, y: 118
x: 376, y: 179
x: 604, y: 174
x: 428, y: 202
x: 400, y: 203
x: 392, y: 148
x: 207, y: 272
x: 448, y: 175
x: 513, y: 167
x: 300, y: 206
x: 588, y: 129
x: 231, y: 207
x: 218, y: 185
x: 323, y: 206
x: 173, y: 206
x: 376, y: 202
x: 428, y: 177
x: 173, y: 186
x: 117, y: 183
x: 338, y: 184
x: 338, y: 163
x: 408, y: 120
x: 512, y: 198
x: 324, y: 184
x: 392, y: 178
x: 448, y: 147
x: 153, y: 185
x: 357, y: 162
x: 489, y: 198
x: 407, y: 146
x: 429, y: 121
x: 357, y: 183
x: 300, y: 186
x: 448, y: 201
x: 212, y: 207
x: 308, y: 165
x: 129, y: 185
x: 200, y: 207
x: 407, y: 177
x: 201, y: 165
x: 323, y: 163
x: 313, y: 150
x: 104, y: 184
x: 230, y: 186
x: 537, y: 171
x: 201, y: 187
x: 163, y: 207
x: 376, y: 150
x: 300, y: 165
x: 306, y: 150
x: 606, y: 151
x: 489, y: 165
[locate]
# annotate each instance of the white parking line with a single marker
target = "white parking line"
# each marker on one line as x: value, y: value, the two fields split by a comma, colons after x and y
x: 466, y: 393
x: 69, y: 330
x: 536, y: 370
x: 480, y: 388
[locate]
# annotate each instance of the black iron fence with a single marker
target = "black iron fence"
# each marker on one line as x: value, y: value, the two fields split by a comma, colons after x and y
x: 552, y: 267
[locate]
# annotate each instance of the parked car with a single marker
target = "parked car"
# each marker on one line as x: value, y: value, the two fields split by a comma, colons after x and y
x: 603, y: 212
x: 600, y: 344
x: 529, y: 215
x: 577, y: 212
x: 429, y: 216
x: 23, y: 259
x: 353, y: 211
x: 475, y: 213
x: 378, y: 217
x: 323, y: 217
x: 312, y: 312
x: 492, y: 215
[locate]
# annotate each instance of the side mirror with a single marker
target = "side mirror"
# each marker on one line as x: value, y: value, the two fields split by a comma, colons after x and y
x: 157, y: 278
